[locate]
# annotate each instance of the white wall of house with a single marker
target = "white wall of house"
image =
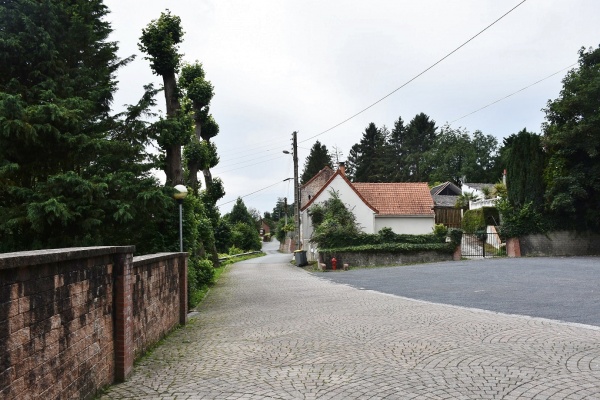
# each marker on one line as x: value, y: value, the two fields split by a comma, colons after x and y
x: 364, y: 215
x: 414, y: 225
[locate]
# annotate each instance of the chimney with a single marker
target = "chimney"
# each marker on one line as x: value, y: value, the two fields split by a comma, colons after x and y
x: 342, y: 168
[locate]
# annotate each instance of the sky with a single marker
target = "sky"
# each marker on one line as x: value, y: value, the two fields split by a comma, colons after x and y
x: 280, y: 66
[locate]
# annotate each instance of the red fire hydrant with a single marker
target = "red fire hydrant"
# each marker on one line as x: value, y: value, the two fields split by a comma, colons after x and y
x: 334, y: 263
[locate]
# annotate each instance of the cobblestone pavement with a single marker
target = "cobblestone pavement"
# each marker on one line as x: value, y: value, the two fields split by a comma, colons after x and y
x: 269, y: 330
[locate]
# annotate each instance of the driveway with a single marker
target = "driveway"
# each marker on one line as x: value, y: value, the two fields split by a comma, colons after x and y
x: 269, y: 330
x: 564, y: 289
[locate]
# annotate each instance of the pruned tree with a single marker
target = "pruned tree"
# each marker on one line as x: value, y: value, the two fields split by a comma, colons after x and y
x: 160, y: 41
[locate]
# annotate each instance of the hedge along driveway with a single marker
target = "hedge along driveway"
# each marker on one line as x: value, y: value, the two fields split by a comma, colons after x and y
x: 564, y: 289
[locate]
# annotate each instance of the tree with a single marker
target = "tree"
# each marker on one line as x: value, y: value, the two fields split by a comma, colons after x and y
x: 419, y: 139
x: 457, y: 154
x: 70, y: 173
x: 369, y: 165
x: 396, y: 170
x: 239, y: 213
x: 318, y: 158
x: 572, y: 140
x: 453, y: 156
x: 525, y: 161
x: 282, y: 209
x: 160, y: 40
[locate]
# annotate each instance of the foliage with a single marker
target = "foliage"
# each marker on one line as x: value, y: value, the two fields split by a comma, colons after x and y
x: 222, y: 236
x: 337, y: 222
x: 525, y: 161
x: 473, y: 220
x: 417, y: 152
x: 70, y: 173
x: 521, y: 220
x: 478, y: 219
x: 234, y: 251
x: 456, y: 154
x: 440, y: 230
x: 463, y: 200
x: 572, y: 140
x: 239, y: 213
x: 366, y: 164
x: 245, y: 236
x: 318, y: 158
x: 283, y: 229
x: 392, y: 248
x: 160, y: 40
x: 455, y: 236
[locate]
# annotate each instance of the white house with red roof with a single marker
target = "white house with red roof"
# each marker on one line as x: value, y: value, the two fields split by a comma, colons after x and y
x: 405, y: 207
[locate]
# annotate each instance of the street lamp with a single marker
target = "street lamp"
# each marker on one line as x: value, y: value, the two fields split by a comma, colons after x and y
x: 180, y: 194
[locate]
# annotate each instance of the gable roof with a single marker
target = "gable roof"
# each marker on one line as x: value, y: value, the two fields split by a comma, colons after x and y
x: 342, y: 175
x: 326, y: 171
x: 446, y: 187
x: 402, y: 198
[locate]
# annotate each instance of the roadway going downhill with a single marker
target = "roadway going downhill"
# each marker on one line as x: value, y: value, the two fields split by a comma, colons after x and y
x: 270, y: 330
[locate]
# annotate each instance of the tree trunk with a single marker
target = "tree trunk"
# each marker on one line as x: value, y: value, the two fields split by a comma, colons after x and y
x: 173, y: 167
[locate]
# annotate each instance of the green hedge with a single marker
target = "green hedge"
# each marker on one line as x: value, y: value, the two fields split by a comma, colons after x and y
x: 393, y: 248
x: 474, y: 220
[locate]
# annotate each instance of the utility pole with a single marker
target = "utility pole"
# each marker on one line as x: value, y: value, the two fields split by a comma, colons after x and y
x: 296, y: 188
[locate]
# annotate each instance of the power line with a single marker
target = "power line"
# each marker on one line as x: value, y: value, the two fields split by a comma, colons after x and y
x: 418, y: 75
x: 269, y: 144
x: 249, y: 194
x: 512, y: 94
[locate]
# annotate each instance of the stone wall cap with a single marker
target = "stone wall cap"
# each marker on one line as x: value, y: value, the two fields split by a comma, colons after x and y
x: 37, y: 257
x: 149, y: 258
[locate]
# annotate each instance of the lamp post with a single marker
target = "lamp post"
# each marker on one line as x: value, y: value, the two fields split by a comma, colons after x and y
x: 180, y: 194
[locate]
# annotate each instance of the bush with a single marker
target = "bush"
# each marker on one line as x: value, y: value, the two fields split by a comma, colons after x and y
x: 520, y: 221
x: 245, y: 236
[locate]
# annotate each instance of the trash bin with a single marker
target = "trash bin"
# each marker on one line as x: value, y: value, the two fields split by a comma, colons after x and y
x: 300, y: 256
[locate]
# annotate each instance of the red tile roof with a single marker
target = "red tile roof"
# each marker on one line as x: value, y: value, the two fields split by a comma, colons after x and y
x: 402, y: 198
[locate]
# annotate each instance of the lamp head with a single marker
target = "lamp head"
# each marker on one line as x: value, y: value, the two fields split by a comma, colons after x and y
x: 180, y: 192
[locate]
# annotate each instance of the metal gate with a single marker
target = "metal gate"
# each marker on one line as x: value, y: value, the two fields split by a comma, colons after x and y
x: 482, y: 244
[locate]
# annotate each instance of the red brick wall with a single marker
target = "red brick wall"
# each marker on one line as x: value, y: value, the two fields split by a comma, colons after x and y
x: 67, y: 321
x: 156, y: 306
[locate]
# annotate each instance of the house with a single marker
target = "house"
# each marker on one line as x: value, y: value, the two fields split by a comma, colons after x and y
x: 403, y: 207
x: 478, y: 190
x: 444, y: 204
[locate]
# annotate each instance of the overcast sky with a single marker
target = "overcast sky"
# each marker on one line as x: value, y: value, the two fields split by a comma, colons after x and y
x: 280, y: 66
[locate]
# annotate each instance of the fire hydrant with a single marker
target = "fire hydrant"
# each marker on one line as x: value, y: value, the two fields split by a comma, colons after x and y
x: 334, y: 263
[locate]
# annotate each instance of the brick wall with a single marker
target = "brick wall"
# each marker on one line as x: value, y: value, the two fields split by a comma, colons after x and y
x: 156, y: 302
x: 311, y: 188
x: 563, y: 243
x: 67, y: 317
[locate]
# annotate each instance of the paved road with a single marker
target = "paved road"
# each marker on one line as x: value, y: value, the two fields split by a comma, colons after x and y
x: 269, y: 330
x: 565, y: 289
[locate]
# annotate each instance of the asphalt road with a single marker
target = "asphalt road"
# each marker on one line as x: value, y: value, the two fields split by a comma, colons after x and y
x: 565, y: 289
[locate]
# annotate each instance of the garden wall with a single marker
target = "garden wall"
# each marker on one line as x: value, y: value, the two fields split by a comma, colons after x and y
x: 354, y: 259
x: 73, y: 320
x: 562, y: 243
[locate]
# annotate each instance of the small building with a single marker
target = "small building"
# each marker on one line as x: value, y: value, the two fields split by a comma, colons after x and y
x: 405, y: 207
x: 444, y: 200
